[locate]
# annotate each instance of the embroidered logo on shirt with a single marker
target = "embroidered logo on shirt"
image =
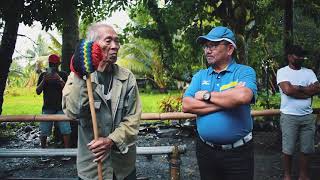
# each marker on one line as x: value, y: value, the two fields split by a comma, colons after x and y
x: 229, y: 85
x: 205, y: 82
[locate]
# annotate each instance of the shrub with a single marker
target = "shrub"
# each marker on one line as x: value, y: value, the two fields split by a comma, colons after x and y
x: 171, y: 104
x: 267, y: 102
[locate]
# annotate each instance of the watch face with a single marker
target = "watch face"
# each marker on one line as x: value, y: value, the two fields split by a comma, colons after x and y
x: 206, y: 96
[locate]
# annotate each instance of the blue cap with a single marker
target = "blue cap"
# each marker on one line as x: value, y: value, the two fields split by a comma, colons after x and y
x: 219, y: 33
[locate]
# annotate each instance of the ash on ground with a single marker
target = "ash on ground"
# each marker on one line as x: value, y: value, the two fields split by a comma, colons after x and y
x: 267, y: 141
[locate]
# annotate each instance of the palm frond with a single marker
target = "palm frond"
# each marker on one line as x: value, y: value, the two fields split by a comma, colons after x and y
x: 135, y: 66
x: 138, y: 52
x: 56, y: 46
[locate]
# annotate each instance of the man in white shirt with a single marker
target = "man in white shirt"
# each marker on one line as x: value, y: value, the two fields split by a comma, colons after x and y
x: 297, y: 85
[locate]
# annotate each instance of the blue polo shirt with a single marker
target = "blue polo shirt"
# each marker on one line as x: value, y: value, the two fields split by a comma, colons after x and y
x: 228, y: 125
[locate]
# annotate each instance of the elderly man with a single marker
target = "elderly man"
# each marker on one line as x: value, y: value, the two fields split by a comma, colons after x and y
x: 118, y: 111
x: 297, y: 85
x: 221, y: 95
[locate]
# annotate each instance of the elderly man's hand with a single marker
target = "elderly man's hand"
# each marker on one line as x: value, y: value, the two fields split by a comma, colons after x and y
x: 100, y: 148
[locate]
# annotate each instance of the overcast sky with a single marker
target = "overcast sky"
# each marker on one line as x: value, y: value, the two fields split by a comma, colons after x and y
x: 118, y: 20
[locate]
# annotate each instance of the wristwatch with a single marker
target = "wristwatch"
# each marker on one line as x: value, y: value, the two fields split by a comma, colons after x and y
x: 207, y: 96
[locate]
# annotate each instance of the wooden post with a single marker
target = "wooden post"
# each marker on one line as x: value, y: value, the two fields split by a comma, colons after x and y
x: 174, y: 164
x: 317, y: 133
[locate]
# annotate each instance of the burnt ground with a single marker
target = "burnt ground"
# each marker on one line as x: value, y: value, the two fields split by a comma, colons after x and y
x: 268, y: 164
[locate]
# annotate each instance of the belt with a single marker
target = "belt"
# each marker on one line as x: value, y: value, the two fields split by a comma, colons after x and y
x: 236, y: 144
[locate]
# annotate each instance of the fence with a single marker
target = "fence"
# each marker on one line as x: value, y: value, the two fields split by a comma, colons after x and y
x: 173, y: 152
x: 144, y: 116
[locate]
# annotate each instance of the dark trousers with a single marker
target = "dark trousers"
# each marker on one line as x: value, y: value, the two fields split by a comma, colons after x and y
x: 215, y: 164
x: 131, y: 176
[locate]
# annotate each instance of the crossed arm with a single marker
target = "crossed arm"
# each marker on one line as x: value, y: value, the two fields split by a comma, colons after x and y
x: 299, y: 92
x: 199, y: 107
x: 219, y: 100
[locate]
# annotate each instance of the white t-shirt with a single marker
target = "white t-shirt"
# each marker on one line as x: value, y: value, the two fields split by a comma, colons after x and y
x: 303, y: 77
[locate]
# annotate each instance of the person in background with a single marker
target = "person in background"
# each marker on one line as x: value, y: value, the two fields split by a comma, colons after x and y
x: 221, y: 96
x: 118, y: 111
x: 297, y: 85
x: 51, y: 84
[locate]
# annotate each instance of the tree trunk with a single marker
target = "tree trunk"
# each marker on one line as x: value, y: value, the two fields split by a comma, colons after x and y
x: 70, y: 32
x: 241, y: 48
x: 288, y: 26
x: 239, y: 24
x: 165, y: 40
x: 70, y: 37
x: 234, y: 16
x: 8, y: 42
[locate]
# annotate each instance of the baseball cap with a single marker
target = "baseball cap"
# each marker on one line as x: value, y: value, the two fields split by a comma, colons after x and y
x: 219, y: 33
x: 296, y: 50
x: 53, y: 58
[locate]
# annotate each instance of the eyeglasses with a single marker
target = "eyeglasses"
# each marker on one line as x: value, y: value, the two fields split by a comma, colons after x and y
x: 213, y: 46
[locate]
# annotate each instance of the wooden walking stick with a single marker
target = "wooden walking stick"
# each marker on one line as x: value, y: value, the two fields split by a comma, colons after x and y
x: 94, y: 121
x: 89, y: 55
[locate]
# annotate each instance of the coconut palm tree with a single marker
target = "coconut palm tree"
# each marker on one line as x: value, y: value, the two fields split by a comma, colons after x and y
x: 142, y: 58
x: 54, y: 48
x: 27, y: 75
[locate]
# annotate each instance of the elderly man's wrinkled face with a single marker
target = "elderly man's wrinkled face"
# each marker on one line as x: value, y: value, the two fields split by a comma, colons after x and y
x: 109, y: 42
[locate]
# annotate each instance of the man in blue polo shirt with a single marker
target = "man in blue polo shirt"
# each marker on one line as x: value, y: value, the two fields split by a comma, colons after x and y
x: 221, y: 95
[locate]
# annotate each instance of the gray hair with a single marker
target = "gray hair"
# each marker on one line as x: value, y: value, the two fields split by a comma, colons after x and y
x: 93, y: 33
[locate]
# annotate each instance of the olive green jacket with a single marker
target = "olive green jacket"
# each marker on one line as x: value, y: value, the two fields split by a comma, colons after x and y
x: 121, y: 124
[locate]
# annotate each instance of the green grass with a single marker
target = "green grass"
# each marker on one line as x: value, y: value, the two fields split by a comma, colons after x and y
x: 19, y: 101
x: 151, y: 102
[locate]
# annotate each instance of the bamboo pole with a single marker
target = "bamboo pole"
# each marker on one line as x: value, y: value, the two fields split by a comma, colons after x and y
x: 145, y: 116
x: 94, y: 121
x: 267, y: 112
x: 154, y: 150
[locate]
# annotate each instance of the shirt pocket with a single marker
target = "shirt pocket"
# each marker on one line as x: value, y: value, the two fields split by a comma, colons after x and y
x: 86, y: 121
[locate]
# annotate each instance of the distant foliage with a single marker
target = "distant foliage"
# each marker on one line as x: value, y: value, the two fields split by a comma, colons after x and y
x: 267, y: 102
